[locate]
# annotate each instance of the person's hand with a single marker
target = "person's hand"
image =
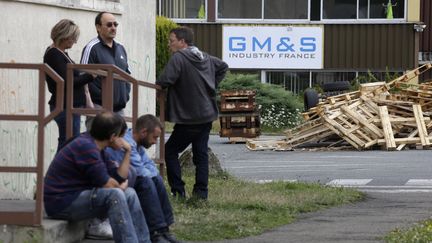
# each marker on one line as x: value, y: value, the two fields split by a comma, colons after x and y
x: 124, y: 185
x: 121, y: 143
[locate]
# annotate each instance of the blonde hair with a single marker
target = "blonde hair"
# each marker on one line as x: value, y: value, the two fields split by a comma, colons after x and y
x: 63, y: 30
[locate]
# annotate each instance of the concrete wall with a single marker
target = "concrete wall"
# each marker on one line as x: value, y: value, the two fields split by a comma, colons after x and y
x: 25, y: 34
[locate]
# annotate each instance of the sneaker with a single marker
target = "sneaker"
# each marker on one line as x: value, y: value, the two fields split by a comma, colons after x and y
x: 99, y: 230
x: 170, y: 237
x: 157, y: 237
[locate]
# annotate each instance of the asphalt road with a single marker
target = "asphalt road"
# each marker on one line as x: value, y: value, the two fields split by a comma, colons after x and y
x: 398, y: 187
x: 393, y: 171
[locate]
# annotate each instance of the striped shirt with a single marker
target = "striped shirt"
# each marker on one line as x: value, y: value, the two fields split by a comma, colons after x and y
x: 79, y: 166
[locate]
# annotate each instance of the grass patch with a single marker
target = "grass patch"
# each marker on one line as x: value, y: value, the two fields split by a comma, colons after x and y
x: 418, y: 234
x: 237, y: 208
x: 169, y: 126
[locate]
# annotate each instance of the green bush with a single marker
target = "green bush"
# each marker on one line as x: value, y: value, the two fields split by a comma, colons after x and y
x: 279, y: 108
x: 163, y: 27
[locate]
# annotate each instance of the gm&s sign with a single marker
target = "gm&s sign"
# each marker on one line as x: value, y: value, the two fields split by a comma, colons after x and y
x: 270, y: 47
x: 307, y: 44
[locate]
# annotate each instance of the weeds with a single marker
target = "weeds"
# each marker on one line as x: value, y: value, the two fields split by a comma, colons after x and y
x: 420, y: 233
x: 238, y: 208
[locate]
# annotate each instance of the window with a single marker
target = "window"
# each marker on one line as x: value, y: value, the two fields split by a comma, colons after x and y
x: 377, y: 9
x: 320, y: 78
x: 363, y: 9
x: 286, y: 9
x: 295, y: 82
x: 367, y: 77
x: 239, y: 9
x: 263, y: 9
x: 340, y: 9
x: 298, y: 81
x: 182, y: 9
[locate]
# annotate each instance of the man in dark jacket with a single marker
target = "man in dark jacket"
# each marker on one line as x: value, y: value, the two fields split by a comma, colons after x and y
x: 191, y: 77
x: 104, y: 50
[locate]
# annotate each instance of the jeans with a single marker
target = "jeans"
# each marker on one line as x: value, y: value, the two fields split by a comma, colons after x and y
x: 60, y: 119
x: 121, y: 207
x: 181, y: 137
x: 154, y: 202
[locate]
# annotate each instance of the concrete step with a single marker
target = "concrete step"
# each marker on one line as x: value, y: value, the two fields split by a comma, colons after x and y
x: 51, y: 231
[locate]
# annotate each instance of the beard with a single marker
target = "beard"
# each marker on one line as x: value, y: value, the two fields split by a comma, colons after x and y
x: 143, y: 142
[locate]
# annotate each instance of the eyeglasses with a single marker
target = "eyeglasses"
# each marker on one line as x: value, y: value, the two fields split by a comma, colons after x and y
x: 110, y: 24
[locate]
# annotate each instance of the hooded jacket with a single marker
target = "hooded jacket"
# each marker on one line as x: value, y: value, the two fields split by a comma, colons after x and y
x: 192, y: 78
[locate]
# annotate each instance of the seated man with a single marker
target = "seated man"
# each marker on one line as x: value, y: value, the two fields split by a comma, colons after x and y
x: 149, y: 184
x: 78, y: 186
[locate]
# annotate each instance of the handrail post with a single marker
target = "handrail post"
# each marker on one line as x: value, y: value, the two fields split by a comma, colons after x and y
x: 69, y: 100
x: 161, y: 94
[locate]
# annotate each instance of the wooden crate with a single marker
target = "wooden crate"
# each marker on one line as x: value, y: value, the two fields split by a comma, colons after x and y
x: 238, y: 101
x: 245, y: 125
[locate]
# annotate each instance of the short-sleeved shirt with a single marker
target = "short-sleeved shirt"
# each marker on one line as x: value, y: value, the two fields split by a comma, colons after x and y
x: 79, y: 166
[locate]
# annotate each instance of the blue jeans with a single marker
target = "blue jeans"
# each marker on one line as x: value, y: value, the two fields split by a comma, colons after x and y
x: 61, y: 124
x: 154, y: 202
x: 121, y: 207
x: 181, y: 137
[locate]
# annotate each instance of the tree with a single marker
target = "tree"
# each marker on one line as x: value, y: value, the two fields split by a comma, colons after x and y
x: 163, y: 27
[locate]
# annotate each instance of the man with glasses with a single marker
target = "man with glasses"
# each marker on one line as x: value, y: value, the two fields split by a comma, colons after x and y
x: 105, y: 50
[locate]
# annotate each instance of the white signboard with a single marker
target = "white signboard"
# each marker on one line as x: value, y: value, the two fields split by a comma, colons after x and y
x: 273, y: 47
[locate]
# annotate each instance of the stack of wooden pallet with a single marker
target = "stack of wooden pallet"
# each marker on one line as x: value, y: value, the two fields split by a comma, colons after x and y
x: 389, y: 115
x: 239, y: 117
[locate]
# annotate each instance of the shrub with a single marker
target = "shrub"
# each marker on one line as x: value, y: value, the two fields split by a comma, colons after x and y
x: 278, y: 108
x: 163, y: 27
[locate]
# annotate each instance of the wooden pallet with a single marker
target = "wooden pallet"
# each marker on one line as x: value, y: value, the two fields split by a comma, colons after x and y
x: 259, y: 145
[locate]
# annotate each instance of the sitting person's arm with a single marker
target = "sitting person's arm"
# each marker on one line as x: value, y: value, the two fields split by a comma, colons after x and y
x: 119, y: 172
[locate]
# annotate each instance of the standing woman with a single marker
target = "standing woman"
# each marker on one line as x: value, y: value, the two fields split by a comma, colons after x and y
x: 64, y: 35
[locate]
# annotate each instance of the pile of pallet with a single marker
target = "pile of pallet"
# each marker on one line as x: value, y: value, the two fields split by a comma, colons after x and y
x: 388, y: 115
x: 239, y: 116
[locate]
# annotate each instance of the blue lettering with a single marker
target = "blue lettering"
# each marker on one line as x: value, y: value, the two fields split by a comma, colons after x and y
x: 308, y: 44
x: 255, y: 42
x: 283, y: 45
x: 239, y: 43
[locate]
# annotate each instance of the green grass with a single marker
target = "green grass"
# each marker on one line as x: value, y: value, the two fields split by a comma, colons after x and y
x: 237, y: 208
x: 420, y: 233
x: 215, y: 127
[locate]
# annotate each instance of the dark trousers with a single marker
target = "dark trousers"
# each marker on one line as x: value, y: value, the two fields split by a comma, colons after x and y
x: 181, y: 137
x: 154, y: 202
x: 60, y: 119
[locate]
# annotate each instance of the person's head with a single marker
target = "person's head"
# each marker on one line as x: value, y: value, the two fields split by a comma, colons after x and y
x: 147, y: 130
x: 106, y: 26
x: 108, y: 126
x: 65, y: 33
x: 180, y: 38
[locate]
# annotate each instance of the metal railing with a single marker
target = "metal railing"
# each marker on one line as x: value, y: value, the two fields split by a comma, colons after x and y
x: 111, y: 73
x: 32, y: 215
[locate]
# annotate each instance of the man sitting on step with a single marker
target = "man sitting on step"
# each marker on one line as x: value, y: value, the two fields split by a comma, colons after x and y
x: 78, y: 184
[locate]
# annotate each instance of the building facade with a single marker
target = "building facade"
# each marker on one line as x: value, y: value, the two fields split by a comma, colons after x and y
x: 25, y: 36
x: 303, y: 43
